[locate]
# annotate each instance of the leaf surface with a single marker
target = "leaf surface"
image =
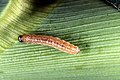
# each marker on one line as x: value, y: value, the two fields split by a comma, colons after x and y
x: 92, y: 25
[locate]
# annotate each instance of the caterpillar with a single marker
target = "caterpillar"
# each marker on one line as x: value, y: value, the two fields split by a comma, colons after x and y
x: 49, y: 41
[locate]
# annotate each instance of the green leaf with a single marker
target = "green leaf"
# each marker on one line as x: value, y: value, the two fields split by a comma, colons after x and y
x: 91, y: 25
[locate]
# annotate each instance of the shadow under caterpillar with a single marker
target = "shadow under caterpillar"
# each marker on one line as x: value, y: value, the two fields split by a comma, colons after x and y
x: 49, y: 41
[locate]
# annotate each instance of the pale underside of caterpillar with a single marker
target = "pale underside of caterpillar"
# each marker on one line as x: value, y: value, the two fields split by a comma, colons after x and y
x: 49, y: 41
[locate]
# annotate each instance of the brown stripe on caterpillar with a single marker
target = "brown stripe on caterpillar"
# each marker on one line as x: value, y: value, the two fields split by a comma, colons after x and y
x: 49, y: 41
